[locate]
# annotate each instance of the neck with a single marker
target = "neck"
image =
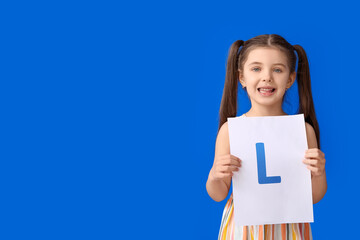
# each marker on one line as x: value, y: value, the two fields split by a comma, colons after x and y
x: 265, y: 111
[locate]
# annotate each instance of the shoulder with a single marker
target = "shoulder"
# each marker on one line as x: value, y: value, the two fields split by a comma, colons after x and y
x: 311, y: 136
x: 222, y: 140
x: 224, y: 129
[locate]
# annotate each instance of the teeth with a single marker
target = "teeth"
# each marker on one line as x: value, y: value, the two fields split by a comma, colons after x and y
x: 265, y: 90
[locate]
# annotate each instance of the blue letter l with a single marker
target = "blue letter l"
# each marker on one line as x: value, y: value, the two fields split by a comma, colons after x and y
x: 263, y: 179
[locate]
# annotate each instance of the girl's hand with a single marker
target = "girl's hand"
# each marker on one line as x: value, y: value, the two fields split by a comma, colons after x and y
x: 224, y: 166
x: 315, y: 160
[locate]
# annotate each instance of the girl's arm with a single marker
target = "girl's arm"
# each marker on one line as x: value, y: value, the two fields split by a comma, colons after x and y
x: 218, y: 189
x: 316, y: 163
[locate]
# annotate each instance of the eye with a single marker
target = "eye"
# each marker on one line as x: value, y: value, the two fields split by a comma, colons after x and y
x: 255, y: 69
x: 278, y: 70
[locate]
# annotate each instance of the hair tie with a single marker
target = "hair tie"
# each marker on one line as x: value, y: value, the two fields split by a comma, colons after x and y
x: 243, y: 43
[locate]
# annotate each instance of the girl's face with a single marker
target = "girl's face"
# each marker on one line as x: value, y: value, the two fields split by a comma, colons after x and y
x: 266, y: 68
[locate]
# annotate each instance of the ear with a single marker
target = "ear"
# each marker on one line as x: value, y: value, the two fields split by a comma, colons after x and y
x: 291, y: 79
x: 241, y: 79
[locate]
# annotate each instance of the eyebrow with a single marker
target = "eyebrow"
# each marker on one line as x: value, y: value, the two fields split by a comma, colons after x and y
x: 261, y: 63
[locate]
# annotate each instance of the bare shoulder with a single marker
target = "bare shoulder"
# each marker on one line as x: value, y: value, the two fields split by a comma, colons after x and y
x: 224, y: 129
x: 311, y: 136
x: 222, y: 140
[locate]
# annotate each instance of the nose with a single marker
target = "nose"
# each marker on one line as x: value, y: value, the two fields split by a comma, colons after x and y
x: 266, y: 77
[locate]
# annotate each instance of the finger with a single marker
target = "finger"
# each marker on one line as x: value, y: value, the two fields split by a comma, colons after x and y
x: 313, y: 155
x: 313, y: 169
x: 314, y: 161
x: 310, y: 161
x: 316, y: 171
x: 228, y: 169
x: 314, y: 152
x: 235, y: 162
x: 232, y: 169
x: 235, y: 158
x: 231, y: 161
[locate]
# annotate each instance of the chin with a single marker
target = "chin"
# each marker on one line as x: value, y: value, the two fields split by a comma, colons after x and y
x: 267, y: 102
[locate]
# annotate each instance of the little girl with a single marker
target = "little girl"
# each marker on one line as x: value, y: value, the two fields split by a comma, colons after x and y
x: 265, y: 67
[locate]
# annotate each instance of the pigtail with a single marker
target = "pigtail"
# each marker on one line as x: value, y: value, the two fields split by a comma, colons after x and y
x: 228, y: 106
x: 306, y: 104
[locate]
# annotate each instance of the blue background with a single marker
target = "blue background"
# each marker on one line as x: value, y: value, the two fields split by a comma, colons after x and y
x: 109, y: 113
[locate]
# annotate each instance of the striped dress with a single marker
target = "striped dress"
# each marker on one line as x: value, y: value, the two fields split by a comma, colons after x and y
x: 288, y: 231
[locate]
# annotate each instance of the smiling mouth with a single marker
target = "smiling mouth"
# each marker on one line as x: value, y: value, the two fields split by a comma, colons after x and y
x: 266, y: 90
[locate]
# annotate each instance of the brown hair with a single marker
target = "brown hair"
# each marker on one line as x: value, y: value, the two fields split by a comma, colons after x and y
x: 236, y: 60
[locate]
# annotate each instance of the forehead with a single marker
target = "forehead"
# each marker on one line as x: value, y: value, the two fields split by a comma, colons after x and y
x: 266, y: 55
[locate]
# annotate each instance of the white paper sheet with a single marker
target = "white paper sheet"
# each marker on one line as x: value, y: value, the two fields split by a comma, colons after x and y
x: 284, y: 143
